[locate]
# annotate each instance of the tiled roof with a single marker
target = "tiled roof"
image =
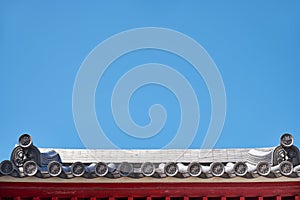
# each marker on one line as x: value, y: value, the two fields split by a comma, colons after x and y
x: 28, y: 160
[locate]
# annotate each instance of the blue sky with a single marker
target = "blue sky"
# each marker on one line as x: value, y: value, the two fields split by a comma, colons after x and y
x: 254, y: 44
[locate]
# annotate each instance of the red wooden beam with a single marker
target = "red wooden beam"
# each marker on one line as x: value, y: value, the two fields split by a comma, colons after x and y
x: 115, y: 190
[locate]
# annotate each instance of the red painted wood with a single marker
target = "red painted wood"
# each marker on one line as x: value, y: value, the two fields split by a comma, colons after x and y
x: 115, y: 190
x: 278, y: 197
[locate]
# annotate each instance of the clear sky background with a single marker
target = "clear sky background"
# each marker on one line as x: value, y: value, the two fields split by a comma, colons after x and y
x: 255, y: 44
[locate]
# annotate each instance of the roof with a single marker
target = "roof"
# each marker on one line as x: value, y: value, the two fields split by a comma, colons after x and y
x: 154, y: 155
x: 172, y: 165
x: 258, y: 179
